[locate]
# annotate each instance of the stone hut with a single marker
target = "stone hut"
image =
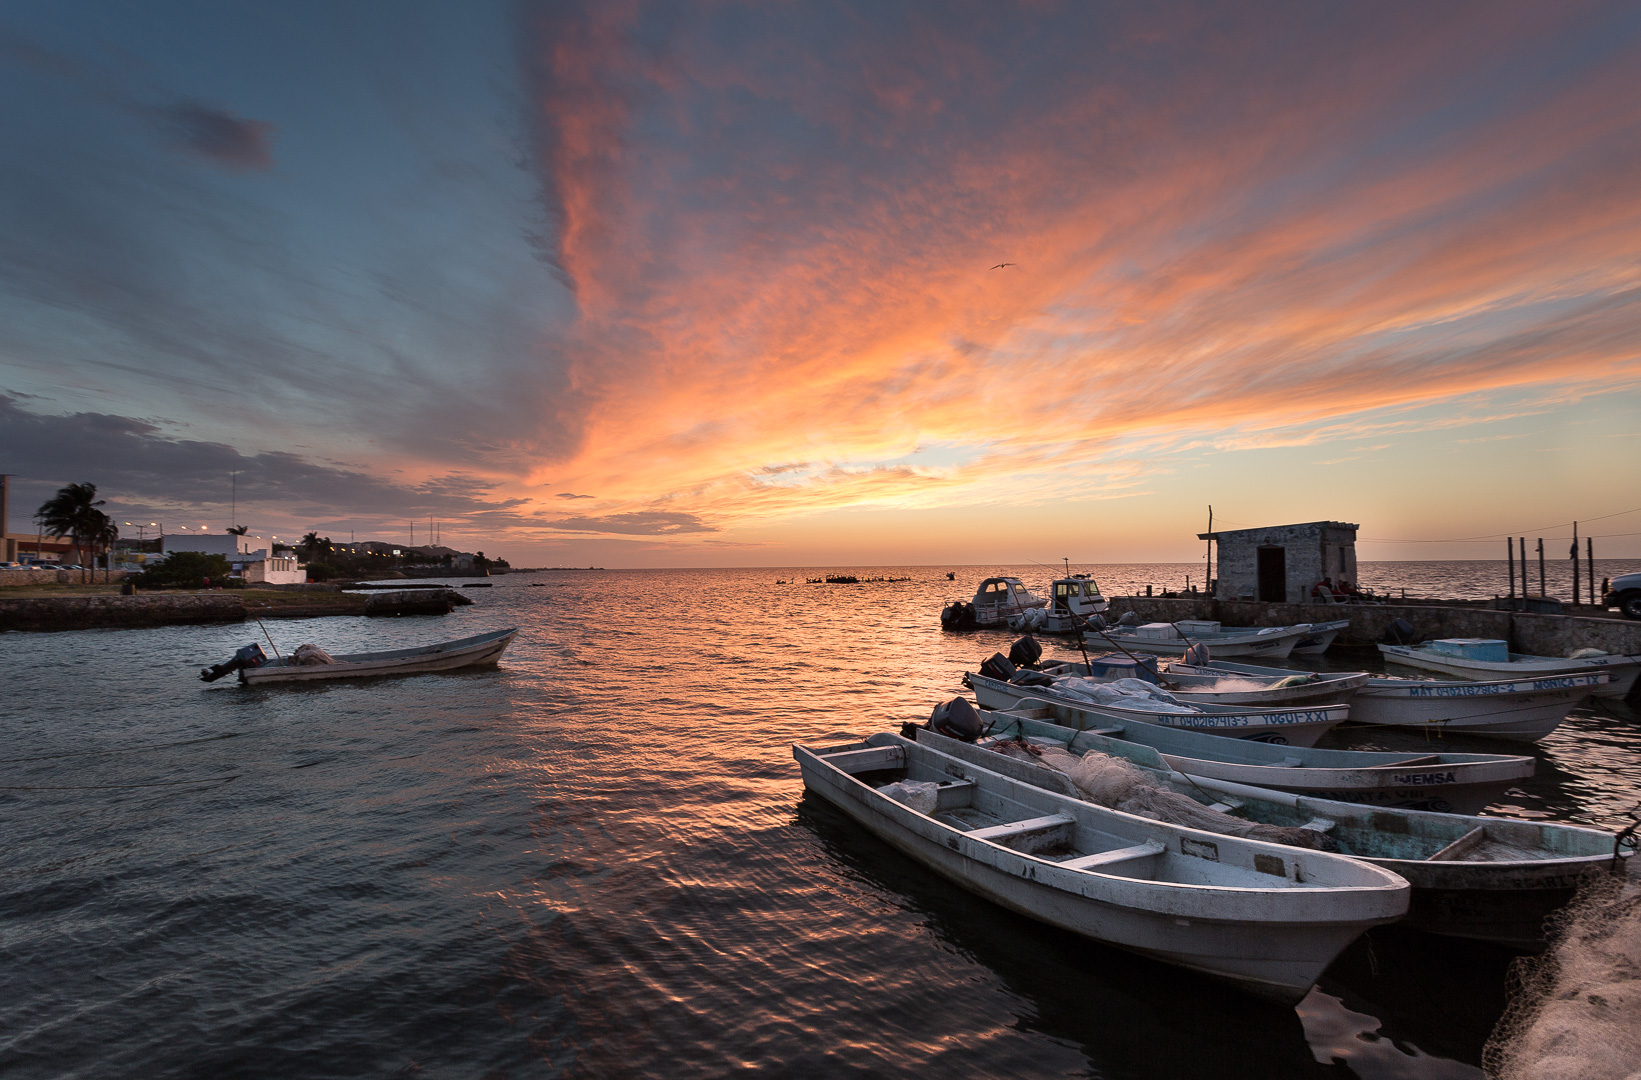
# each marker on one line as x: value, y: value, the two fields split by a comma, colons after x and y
x: 1280, y: 563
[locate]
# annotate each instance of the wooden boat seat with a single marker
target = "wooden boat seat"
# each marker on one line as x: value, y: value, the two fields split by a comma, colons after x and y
x: 1102, y: 859
x: 955, y: 795
x: 1319, y: 824
x: 1015, y: 830
x: 1225, y: 806
x: 1459, y: 848
x: 872, y: 759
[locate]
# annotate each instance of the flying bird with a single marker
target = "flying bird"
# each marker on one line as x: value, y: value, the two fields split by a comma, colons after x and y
x: 1000, y: 266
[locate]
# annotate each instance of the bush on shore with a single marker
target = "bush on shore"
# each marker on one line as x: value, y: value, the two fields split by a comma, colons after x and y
x: 185, y: 570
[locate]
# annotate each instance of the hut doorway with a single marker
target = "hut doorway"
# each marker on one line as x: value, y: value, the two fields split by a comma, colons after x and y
x: 1273, y: 575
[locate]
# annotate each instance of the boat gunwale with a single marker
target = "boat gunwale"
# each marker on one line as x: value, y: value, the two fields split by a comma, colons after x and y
x: 1163, y: 888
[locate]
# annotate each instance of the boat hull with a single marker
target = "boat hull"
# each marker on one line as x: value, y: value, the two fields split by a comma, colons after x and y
x: 1621, y: 671
x: 1321, y: 636
x: 1275, y: 646
x: 1274, y: 957
x: 1481, y: 900
x: 1523, y: 710
x: 1283, y: 726
x: 1451, y: 783
x: 484, y: 650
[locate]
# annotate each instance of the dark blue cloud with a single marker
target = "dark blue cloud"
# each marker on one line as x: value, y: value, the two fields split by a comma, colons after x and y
x: 217, y: 135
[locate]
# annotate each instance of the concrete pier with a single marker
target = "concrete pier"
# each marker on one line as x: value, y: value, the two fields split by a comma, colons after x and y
x: 1543, y: 635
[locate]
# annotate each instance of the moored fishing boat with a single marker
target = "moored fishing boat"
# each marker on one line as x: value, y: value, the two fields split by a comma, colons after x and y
x: 478, y: 651
x: 996, y: 601
x: 1445, y: 782
x: 1483, y: 878
x: 1295, y: 726
x: 1197, y: 683
x: 1172, y: 639
x: 1264, y: 917
x: 1486, y: 660
x: 1523, y: 709
x: 1071, y: 601
x: 1321, y: 636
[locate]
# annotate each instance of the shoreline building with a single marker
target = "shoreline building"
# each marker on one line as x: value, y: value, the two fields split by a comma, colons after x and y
x: 247, y: 560
x: 1279, y: 564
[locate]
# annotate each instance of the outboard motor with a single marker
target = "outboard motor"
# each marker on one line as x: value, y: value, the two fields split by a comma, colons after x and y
x: 1128, y: 619
x: 250, y: 656
x: 998, y: 667
x: 1399, y: 632
x: 957, y: 615
x: 956, y: 719
x: 1025, y: 652
x: 1096, y: 621
x: 1196, y: 654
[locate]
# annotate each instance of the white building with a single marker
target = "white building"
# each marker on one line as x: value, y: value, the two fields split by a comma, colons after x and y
x: 249, y: 557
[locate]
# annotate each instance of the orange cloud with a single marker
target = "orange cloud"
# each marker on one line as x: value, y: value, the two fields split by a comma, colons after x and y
x: 779, y: 230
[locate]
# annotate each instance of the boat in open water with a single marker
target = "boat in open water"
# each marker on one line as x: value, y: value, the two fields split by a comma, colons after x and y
x: 1483, y: 878
x: 1443, y: 782
x: 1487, y: 661
x: 997, y: 600
x: 1264, y: 917
x: 481, y: 650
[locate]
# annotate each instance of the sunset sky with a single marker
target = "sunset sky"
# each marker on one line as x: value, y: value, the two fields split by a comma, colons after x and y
x: 713, y: 284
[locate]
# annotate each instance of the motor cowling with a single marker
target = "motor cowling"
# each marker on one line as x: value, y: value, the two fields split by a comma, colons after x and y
x: 998, y: 667
x: 1399, y: 632
x: 249, y: 656
x: 1196, y: 654
x: 957, y: 719
x: 1025, y: 652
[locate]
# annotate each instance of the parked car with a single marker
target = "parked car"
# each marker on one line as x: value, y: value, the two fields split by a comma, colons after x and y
x: 1624, y: 593
x: 12, y: 566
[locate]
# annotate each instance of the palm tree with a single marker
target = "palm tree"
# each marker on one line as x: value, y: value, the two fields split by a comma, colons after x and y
x: 73, y: 512
x: 308, y: 544
x: 104, y: 533
x: 239, y: 530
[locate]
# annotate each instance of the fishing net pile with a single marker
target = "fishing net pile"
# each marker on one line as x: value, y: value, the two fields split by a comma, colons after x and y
x: 310, y: 655
x: 1575, y: 1013
x: 1120, y: 785
x: 1125, y: 693
x: 919, y: 795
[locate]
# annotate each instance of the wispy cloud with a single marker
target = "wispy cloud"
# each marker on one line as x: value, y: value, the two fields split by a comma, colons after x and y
x: 217, y: 135
x: 792, y: 245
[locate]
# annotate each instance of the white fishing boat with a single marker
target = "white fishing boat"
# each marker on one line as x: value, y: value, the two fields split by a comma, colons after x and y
x: 1483, y: 878
x: 1172, y: 639
x: 1444, y: 782
x: 996, y: 601
x: 480, y: 650
x: 1486, y: 659
x: 1071, y: 601
x: 1196, y: 683
x: 1283, y: 726
x: 1261, y: 916
x: 1321, y: 636
x: 1524, y: 709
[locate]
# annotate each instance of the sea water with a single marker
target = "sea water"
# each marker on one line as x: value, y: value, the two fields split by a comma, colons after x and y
x: 599, y: 860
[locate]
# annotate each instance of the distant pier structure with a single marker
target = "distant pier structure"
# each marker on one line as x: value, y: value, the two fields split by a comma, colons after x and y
x: 1279, y: 563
